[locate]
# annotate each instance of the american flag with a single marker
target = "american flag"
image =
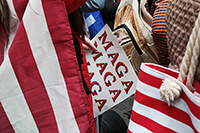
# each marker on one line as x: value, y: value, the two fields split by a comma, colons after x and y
x: 40, y: 85
x: 151, y: 114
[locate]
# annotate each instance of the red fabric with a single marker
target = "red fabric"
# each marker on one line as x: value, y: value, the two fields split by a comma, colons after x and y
x: 2, y: 43
x: 85, y: 73
x: 26, y: 73
x: 159, y: 117
x: 72, y: 5
x: 20, y: 6
x: 4, y: 122
x: 26, y: 77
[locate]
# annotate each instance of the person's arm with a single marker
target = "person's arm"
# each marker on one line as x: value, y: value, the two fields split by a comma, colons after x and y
x: 72, y: 5
x: 93, y: 5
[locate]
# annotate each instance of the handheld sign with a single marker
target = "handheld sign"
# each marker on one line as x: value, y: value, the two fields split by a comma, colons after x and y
x: 112, y: 76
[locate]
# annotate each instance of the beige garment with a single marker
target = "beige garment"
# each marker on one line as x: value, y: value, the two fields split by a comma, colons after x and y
x: 129, y: 13
x: 180, y: 19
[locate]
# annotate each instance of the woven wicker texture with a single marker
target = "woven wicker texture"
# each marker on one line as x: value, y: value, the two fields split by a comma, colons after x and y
x: 180, y: 19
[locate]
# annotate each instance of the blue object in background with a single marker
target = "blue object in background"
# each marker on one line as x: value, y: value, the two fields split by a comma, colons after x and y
x: 94, y: 22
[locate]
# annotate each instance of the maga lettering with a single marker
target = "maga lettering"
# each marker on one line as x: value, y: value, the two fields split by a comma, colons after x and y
x: 97, y: 84
x: 114, y: 57
x: 103, y: 39
x: 91, y: 75
x: 116, y: 93
x: 121, y: 64
x: 101, y: 103
x: 108, y: 82
x: 128, y: 85
x: 103, y: 67
x: 108, y: 46
x: 99, y: 54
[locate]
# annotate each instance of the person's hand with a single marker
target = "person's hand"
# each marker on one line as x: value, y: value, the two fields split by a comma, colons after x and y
x: 88, y: 44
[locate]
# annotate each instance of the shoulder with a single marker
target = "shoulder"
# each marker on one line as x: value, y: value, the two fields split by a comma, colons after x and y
x: 93, y: 5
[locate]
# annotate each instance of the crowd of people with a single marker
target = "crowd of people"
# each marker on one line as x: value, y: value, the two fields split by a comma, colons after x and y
x: 170, y: 44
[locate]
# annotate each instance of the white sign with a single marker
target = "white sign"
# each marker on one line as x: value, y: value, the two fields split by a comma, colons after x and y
x: 112, y: 76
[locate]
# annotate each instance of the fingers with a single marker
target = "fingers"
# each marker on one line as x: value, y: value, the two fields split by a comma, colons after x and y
x: 86, y: 47
x: 88, y: 44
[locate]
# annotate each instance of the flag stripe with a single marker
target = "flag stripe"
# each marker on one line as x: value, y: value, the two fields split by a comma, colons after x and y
x: 195, y: 116
x: 192, y: 102
x: 20, y: 6
x: 155, y: 94
x: 154, y: 117
x: 178, y: 103
x: 162, y: 72
x: 44, y: 90
x: 4, y: 122
x: 45, y: 55
x: 67, y: 59
x: 13, y: 101
x: 152, y: 126
x: 136, y: 128
x: 193, y: 108
x: 151, y: 80
x: 144, y: 76
x: 181, y: 116
x: 161, y: 106
x: 31, y: 83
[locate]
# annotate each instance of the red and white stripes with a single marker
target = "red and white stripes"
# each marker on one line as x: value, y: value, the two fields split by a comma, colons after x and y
x: 40, y: 87
x: 151, y: 114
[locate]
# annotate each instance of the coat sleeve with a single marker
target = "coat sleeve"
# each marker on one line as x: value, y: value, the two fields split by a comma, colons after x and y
x: 93, y: 5
x: 72, y: 5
